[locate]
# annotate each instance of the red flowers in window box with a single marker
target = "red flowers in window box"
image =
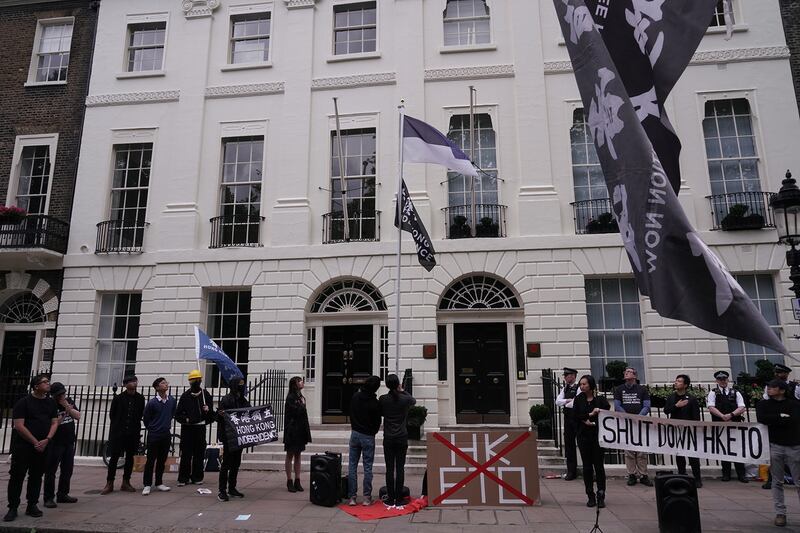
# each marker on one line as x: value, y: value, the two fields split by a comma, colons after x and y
x: 11, y: 214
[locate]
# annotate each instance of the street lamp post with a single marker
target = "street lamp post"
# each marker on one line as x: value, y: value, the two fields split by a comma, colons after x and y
x: 786, y: 209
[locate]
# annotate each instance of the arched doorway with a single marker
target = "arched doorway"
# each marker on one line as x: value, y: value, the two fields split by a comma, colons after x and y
x: 347, y: 323
x: 482, y: 320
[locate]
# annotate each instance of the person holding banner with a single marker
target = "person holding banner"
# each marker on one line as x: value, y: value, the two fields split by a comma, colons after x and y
x: 634, y: 399
x: 681, y: 406
x: 231, y: 459
x: 781, y: 414
x: 195, y: 411
x: 726, y: 405
x: 296, y: 432
x: 565, y: 400
x: 586, y: 407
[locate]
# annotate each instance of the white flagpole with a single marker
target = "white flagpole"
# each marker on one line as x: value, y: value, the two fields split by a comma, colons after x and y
x: 342, y: 179
x: 472, y: 214
x: 402, y: 109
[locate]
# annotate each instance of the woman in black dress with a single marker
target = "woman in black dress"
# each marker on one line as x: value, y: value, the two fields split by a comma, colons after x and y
x: 296, y: 432
x: 585, y: 408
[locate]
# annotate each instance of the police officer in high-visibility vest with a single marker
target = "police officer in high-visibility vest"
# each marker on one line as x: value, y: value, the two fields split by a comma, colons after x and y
x: 726, y: 405
x: 564, y: 400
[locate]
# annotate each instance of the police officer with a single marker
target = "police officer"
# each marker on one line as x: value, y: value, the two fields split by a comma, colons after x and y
x: 564, y: 400
x: 726, y: 405
x: 194, y: 412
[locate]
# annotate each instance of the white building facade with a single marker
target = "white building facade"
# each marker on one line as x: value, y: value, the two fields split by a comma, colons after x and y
x: 208, y: 194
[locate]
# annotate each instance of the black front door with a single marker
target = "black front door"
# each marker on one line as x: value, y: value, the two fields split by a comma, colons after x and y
x: 346, y: 363
x: 15, y: 365
x: 481, y: 367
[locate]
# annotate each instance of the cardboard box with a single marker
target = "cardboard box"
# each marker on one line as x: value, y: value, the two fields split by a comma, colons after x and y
x: 171, y: 465
x: 138, y: 463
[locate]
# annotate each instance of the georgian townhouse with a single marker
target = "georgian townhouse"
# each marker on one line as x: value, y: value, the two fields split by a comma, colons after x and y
x: 209, y: 194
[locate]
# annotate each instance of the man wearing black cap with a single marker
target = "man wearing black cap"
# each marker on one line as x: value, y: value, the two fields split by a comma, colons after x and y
x: 126, y: 425
x: 35, y: 422
x: 782, y: 416
x: 564, y: 400
x: 782, y: 373
x: 726, y: 405
x: 61, y: 452
x: 158, y: 414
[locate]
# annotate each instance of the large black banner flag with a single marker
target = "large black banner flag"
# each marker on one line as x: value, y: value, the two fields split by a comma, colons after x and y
x: 682, y: 276
x: 650, y: 43
x: 249, y: 426
x: 413, y: 225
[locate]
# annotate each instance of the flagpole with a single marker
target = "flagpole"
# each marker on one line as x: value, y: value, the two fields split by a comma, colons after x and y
x: 342, y: 180
x: 402, y: 109
x: 474, y: 223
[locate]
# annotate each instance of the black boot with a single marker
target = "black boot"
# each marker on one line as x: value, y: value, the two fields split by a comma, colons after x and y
x: 297, y: 485
x: 290, y: 485
x: 33, y: 510
x: 592, y: 500
x: 233, y: 492
x: 11, y: 515
x: 601, y: 498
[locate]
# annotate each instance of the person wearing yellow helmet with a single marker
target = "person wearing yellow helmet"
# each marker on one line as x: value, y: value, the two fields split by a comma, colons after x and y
x: 194, y: 412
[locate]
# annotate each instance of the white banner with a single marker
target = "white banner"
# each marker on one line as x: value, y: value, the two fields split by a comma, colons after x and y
x: 717, y: 441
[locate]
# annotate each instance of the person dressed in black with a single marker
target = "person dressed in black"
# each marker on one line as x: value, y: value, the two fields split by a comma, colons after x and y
x: 564, y: 400
x: 296, y: 432
x: 127, y: 409
x: 35, y: 422
x: 365, y: 421
x: 394, y: 409
x: 61, y: 452
x: 781, y: 373
x: 231, y: 460
x: 586, y: 407
x: 194, y: 412
x: 681, y: 406
x: 726, y: 405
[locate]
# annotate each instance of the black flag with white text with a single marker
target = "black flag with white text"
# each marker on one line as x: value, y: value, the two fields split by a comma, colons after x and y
x: 683, y: 277
x: 413, y: 225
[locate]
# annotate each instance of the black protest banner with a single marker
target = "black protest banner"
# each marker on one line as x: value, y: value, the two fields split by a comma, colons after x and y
x: 716, y: 441
x: 249, y: 427
x: 413, y: 225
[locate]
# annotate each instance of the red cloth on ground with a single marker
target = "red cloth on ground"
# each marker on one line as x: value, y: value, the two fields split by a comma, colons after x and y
x: 378, y: 510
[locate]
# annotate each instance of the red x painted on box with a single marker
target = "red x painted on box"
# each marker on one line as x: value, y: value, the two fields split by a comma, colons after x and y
x: 482, y: 469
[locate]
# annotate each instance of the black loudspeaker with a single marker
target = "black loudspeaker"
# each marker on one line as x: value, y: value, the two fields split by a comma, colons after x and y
x: 212, y: 460
x: 678, y: 508
x: 326, y: 475
x: 383, y: 493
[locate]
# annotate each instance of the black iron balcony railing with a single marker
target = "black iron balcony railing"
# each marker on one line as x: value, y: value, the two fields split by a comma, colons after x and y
x: 236, y: 230
x: 120, y: 236
x: 594, y: 216
x: 35, y: 231
x: 364, y: 227
x: 741, y: 210
x: 458, y: 221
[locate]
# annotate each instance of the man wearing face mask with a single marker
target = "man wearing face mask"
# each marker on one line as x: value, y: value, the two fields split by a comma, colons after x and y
x: 194, y: 412
x: 231, y: 460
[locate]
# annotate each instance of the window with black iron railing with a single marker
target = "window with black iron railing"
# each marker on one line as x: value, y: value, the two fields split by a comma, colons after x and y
x: 120, y: 236
x: 491, y: 221
x: 741, y: 210
x: 594, y: 216
x: 236, y: 230
x: 35, y: 231
x: 362, y: 227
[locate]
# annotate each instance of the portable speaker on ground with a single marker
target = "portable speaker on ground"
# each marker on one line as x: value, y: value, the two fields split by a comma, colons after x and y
x: 212, y: 460
x: 678, y: 507
x: 326, y: 475
x: 383, y: 493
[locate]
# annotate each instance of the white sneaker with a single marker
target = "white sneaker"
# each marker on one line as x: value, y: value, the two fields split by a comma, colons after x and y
x: 198, y: 482
x: 146, y: 491
x: 181, y: 484
x: 352, y: 502
x: 163, y: 488
x: 367, y: 501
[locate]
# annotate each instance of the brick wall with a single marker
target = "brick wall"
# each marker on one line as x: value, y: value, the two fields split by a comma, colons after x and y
x: 790, y: 12
x: 44, y: 109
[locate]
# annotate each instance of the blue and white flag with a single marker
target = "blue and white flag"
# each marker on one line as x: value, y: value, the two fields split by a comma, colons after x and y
x: 422, y: 143
x: 209, y: 350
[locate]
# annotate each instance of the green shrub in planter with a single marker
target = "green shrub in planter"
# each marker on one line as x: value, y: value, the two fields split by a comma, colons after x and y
x: 616, y: 369
x: 539, y: 412
x: 544, y: 429
x: 765, y: 371
x: 417, y: 415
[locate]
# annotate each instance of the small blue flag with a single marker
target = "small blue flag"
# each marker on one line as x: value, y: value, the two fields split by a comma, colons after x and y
x: 208, y: 349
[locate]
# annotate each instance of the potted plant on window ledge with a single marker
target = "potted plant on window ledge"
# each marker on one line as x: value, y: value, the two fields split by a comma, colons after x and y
x: 738, y: 219
x: 460, y: 229
x: 487, y: 228
x: 604, y: 223
x: 11, y: 214
x: 416, y: 418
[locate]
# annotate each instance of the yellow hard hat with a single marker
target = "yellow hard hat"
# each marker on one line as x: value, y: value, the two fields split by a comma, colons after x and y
x: 195, y: 374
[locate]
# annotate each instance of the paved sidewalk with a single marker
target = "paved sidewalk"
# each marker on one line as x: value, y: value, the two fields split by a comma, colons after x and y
x: 725, y: 507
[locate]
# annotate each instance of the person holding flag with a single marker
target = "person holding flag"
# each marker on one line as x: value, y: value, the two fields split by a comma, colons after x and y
x: 195, y: 411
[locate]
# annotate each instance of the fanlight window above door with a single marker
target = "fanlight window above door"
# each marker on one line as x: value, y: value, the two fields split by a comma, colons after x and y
x: 22, y: 309
x: 348, y: 296
x: 479, y: 292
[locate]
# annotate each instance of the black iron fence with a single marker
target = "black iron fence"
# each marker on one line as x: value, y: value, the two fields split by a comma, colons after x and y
x: 119, y: 236
x: 94, y: 403
x: 658, y: 393
x: 36, y: 231
x: 362, y: 226
x: 236, y: 230
x: 491, y: 221
x: 594, y: 216
x: 741, y: 210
